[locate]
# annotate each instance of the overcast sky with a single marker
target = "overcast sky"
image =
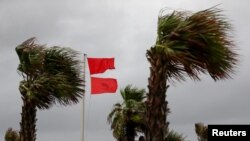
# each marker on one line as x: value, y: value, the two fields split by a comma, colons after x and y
x: 123, y: 29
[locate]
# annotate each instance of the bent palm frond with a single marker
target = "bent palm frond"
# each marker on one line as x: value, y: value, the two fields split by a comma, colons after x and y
x: 195, y: 43
x: 51, y: 74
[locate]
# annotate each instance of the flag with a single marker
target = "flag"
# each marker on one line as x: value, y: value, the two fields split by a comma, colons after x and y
x: 100, y: 65
x: 103, y: 85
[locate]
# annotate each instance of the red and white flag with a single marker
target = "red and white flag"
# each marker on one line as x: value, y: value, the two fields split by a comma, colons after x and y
x: 102, y: 85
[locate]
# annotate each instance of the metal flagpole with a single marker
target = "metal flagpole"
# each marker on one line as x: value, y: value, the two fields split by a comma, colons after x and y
x: 83, y: 99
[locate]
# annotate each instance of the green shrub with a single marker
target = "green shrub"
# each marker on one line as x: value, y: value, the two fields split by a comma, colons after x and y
x: 174, y: 136
x: 11, y: 135
x: 201, y: 131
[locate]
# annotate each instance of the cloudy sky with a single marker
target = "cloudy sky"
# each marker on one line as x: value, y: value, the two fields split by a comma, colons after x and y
x: 123, y: 29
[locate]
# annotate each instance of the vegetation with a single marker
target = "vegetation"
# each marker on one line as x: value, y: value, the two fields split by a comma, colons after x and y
x: 127, y: 118
x: 50, y: 75
x: 174, y: 136
x: 201, y: 131
x: 187, y: 44
x: 11, y: 135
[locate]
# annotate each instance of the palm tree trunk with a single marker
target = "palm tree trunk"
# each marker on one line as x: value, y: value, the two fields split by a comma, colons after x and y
x: 156, y: 106
x: 28, y: 121
x: 130, y: 131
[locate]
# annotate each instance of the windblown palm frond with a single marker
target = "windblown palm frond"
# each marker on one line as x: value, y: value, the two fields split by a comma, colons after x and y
x: 132, y: 93
x: 62, y: 68
x: 117, y: 120
x: 31, y: 56
x: 195, y: 43
x: 116, y: 109
x: 54, y: 73
x: 174, y: 136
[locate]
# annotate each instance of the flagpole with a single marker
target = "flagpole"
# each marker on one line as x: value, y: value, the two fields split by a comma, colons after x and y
x: 83, y: 99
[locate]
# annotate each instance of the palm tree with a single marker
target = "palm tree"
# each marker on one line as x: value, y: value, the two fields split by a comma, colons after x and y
x: 127, y: 118
x: 50, y: 75
x: 187, y: 44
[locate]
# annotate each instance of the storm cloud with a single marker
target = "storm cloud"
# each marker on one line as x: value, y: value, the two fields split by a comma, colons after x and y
x: 124, y: 30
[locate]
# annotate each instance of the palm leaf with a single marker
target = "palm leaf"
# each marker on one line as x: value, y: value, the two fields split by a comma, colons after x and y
x: 174, y: 136
x: 52, y: 75
x: 31, y: 57
x: 134, y: 93
x: 117, y: 108
x: 195, y: 43
x: 63, y: 68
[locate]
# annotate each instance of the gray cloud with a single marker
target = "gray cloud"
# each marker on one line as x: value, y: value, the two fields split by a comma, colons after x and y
x: 123, y: 29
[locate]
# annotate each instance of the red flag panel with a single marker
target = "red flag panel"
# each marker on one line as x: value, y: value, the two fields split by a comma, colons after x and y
x: 100, y: 65
x: 103, y: 85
